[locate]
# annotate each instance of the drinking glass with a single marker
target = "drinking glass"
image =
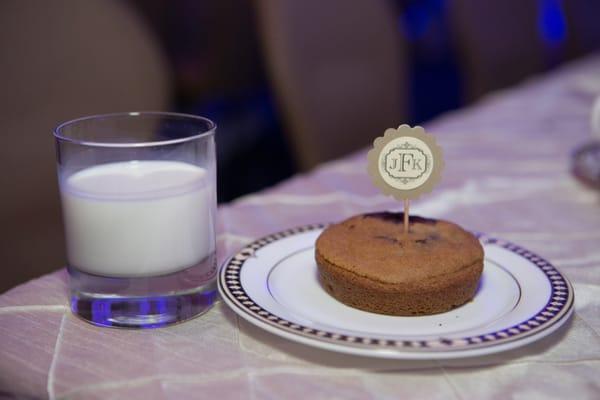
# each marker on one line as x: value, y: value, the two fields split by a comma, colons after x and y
x: 138, y: 197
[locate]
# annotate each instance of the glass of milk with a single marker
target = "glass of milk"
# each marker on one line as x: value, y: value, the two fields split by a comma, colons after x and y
x: 139, y: 205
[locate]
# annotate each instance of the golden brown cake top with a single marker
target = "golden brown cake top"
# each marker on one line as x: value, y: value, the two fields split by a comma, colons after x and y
x: 376, y: 247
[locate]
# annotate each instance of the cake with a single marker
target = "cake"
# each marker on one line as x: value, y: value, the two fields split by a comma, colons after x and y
x: 368, y: 262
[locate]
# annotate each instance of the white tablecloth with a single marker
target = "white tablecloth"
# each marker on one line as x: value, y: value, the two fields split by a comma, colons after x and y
x: 507, y: 175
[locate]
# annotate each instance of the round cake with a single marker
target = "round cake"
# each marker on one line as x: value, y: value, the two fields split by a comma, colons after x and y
x: 368, y: 262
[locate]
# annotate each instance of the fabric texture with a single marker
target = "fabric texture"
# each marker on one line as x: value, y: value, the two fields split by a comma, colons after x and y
x: 507, y: 174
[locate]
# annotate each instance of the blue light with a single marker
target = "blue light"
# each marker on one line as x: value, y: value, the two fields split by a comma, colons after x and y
x: 551, y: 23
x: 101, y: 312
x: 418, y: 17
x: 161, y: 305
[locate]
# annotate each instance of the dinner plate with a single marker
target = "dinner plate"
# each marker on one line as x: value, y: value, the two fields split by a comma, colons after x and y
x: 273, y: 284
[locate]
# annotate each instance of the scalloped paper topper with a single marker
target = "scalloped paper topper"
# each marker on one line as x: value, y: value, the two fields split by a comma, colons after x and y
x: 406, y: 162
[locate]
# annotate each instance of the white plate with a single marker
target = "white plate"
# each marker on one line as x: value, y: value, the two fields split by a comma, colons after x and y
x: 273, y: 284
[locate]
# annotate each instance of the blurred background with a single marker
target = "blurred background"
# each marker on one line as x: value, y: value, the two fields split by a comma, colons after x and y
x: 291, y: 84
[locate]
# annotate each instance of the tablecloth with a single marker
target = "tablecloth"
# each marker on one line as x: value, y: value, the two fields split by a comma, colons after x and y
x: 507, y: 174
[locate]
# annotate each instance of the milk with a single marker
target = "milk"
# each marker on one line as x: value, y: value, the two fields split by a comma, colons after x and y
x: 138, y: 218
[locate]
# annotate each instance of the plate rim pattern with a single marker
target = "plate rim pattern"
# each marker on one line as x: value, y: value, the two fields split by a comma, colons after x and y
x: 559, y: 305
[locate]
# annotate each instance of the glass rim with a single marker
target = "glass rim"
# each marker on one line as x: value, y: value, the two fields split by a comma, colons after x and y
x: 208, y: 132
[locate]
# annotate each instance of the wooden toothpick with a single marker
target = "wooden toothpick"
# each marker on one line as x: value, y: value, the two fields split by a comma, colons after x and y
x: 406, y: 206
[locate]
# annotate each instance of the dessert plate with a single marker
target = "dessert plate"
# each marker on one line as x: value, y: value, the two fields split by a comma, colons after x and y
x: 273, y: 284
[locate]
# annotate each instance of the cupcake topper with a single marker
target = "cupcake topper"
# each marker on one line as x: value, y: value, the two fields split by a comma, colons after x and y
x: 405, y: 163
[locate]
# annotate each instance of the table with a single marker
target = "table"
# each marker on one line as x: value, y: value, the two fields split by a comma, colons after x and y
x: 507, y: 174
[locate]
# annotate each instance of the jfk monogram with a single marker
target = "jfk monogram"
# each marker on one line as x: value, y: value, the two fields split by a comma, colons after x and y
x: 405, y: 162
